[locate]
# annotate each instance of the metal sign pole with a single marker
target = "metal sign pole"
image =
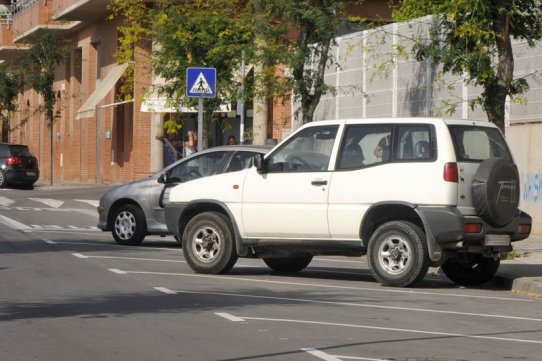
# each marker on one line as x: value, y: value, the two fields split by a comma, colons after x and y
x: 200, y: 124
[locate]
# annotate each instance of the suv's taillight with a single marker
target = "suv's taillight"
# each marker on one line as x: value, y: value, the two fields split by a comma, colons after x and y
x: 14, y: 161
x: 450, y: 172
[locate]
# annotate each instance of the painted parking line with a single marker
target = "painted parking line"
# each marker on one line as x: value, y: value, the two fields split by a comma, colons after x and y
x: 327, y: 357
x: 351, y: 304
x: 319, y: 285
x: 377, y: 328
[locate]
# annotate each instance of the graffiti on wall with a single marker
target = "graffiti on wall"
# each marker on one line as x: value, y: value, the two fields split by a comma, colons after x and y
x: 532, y: 186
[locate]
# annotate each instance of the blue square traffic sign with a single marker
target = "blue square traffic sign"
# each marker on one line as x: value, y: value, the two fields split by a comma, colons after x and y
x: 201, y: 82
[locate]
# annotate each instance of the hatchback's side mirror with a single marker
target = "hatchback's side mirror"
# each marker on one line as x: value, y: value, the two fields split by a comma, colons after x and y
x: 163, y: 178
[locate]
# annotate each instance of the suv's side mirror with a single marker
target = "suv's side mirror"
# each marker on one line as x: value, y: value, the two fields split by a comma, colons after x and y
x: 260, y: 163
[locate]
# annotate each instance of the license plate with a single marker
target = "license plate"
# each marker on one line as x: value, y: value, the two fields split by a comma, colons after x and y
x: 30, y: 173
x: 497, y: 240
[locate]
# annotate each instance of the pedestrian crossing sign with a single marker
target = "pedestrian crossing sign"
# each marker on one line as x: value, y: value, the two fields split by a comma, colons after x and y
x: 201, y: 82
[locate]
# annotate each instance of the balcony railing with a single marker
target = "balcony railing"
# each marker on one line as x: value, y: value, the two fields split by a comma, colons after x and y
x: 5, y: 14
x: 21, y: 5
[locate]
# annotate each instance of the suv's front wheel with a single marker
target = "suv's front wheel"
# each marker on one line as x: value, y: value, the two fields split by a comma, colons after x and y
x: 398, y: 254
x: 208, y: 243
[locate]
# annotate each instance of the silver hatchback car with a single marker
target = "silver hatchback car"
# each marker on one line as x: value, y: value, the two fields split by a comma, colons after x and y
x: 136, y: 209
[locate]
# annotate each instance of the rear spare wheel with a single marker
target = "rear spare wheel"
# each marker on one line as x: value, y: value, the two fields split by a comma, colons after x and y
x: 495, y: 191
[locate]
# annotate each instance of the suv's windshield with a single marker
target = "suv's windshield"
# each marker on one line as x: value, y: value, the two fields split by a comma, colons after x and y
x: 478, y: 143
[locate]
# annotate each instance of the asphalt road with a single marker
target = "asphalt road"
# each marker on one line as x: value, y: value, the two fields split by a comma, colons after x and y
x: 69, y: 292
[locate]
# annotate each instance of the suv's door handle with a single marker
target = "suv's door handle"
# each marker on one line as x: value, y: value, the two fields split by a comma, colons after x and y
x: 319, y: 182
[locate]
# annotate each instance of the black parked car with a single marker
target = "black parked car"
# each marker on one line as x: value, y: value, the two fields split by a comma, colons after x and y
x: 18, y: 166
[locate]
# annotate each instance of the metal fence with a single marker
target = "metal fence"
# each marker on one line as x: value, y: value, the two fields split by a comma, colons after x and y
x: 371, y: 81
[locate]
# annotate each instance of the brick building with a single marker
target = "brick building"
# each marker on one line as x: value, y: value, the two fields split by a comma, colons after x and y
x: 97, y: 139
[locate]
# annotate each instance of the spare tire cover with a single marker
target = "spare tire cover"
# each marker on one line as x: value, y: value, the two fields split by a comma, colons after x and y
x: 495, y: 191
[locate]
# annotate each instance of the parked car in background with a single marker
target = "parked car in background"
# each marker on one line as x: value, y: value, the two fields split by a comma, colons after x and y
x: 18, y: 166
x: 133, y: 210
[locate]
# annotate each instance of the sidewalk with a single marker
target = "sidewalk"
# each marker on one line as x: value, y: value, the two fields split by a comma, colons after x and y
x: 523, y: 274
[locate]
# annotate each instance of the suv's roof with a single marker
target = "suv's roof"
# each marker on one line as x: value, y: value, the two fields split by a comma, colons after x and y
x: 406, y: 120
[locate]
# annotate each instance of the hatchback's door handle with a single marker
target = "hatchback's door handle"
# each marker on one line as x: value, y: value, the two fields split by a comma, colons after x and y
x: 319, y: 182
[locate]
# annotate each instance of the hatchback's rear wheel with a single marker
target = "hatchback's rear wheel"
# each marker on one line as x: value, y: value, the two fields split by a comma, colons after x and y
x: 129, y: 225
x: 470, y: 269
x: 397, y: 254
x: 209, y: 244
x: 290, y: 264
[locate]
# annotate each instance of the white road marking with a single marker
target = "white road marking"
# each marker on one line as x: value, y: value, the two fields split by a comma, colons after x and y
x: 92, y: 202
x: 327, y: 357
x: 117, y: 271
x: 379, y: 328
x: 6, y: 202
x: 363, y: 305
x: 165, y: 290
x: 13, y: 223
x: 136, y: 259
x: 79, y: 255
x: 48, y: 201
x: 386, y: 290
x: 229, y: 316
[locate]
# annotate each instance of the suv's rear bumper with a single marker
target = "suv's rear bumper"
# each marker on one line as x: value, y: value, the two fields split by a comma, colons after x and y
x: 447, y: 225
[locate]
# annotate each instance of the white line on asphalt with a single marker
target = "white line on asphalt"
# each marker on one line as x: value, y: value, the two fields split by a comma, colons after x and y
x: 55, y: 203
x: 92, y: 202
x: 328, y: 357
x: 229, y: 316
x: 117, y: 271
x: 6, y: 202
x: 48, y: 241
x: 165, y: 290
x: 447, y: 334
x: 238, y: 279
x: 79, y: 255
x: 13, y: 223
x: 363, y: 305
x: 136, y: 259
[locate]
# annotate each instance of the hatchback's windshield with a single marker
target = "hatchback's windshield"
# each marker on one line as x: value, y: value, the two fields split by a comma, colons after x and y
x: 478, y: 143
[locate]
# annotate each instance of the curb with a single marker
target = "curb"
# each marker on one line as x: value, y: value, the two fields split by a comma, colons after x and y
x: 531, y: 286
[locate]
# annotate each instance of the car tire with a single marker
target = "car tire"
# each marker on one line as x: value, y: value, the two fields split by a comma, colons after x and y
x: 129, y: 225
x: 209, y: 244
x: 397, y: 254
x: 495, y: 191
x: 3, y: 179
x: 470, y: 269
x: 288, y: 265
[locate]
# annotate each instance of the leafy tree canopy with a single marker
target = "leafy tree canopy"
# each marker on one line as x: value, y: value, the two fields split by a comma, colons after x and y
x: 473, y: 38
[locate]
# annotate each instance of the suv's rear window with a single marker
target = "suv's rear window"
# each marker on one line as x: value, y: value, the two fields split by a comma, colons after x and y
x: 477, y: 144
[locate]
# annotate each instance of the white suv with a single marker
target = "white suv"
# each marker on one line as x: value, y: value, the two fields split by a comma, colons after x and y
x: 408, y: 193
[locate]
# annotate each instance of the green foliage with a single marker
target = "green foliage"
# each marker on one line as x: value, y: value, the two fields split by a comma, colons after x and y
x: 474, y: 39
x: 9, y: 87
x: 46, y: 52
x: 298, y: 34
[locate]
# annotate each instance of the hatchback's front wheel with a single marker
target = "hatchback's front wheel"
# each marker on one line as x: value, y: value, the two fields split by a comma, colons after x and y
x: 129, y: 225
x: 209, y: 244
x: 398, y: 254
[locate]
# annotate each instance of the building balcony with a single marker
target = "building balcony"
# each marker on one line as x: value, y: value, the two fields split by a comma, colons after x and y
x: 9, y: 52
x: 87, y: 10
x: 31, y: 17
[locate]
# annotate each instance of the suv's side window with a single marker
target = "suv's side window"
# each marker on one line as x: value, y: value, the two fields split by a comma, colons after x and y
x: 414, y: 143
x: 364, y: 145
x: 308, y: 151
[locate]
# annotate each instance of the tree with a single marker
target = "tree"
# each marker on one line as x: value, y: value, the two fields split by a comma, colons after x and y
x: 473, y: 39
x: 299, y: 35
x: 199, y: 33
x: 46, y: 52
x: 9, y: 87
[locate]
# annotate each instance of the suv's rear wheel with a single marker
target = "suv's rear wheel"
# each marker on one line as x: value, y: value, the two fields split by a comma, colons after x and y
x: 208, y: 243
x: 470, y: 269
x: 398, y: 254
x: 291, y: 264
x: 129, y: 225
